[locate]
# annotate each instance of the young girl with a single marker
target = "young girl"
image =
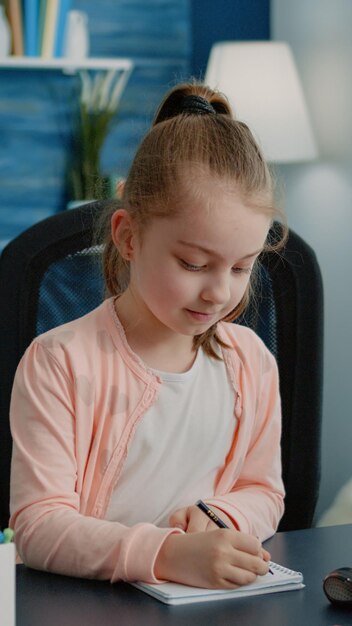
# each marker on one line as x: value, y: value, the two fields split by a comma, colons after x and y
x: 123, y: 419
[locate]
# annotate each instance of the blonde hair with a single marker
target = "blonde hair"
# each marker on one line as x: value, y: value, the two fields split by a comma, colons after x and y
x: 193, y: 126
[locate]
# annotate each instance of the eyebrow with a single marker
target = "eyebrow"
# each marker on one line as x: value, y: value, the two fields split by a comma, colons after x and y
x: 209, y: 251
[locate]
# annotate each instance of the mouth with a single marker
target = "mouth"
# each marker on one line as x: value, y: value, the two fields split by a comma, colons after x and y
x: 202, y: 317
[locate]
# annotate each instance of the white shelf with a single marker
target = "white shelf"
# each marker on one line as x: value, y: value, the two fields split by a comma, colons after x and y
x: 66, y: 65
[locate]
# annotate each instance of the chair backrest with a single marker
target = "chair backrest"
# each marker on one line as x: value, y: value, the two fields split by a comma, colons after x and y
x: 51, y: 274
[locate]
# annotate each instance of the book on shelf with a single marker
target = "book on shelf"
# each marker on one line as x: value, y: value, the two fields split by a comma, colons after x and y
x: 49, y: 28
x: 15, y: 17
x: 64, y: 8
x: 38, y: 27
x: 41, y: 21
x: 53, y: 28
x: 281, y: 579
x: 30, y: 27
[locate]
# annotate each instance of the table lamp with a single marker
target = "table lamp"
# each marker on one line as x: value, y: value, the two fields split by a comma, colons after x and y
x: 262, y: 84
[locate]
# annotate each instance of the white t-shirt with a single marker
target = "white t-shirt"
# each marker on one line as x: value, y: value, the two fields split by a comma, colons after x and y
x: 179, y: 445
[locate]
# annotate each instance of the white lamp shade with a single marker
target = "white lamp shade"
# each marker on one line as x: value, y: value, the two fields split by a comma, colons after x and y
x: 262, y: 84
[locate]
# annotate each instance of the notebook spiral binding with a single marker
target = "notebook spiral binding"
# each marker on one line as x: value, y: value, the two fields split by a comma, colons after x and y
x: 282, y: 569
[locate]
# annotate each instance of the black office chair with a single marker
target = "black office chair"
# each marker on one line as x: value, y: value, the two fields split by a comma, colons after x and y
x: 50, y: 274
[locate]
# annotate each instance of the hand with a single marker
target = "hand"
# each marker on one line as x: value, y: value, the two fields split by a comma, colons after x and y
x: 221, y: 559
x: 192, y: 520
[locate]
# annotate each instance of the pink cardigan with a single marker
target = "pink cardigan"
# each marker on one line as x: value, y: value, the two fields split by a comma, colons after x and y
x: 78, y: 395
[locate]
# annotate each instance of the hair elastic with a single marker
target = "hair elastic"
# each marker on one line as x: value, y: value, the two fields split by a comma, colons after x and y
x: 197, y: 105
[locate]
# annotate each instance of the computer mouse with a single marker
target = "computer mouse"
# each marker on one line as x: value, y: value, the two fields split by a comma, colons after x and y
x: 338, y: 586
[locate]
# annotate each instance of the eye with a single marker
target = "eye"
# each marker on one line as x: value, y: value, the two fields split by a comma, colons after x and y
x: 241, y: 270
x: 190, y: 267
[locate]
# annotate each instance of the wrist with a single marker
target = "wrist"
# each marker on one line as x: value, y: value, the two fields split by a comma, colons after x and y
x: 164, y: 562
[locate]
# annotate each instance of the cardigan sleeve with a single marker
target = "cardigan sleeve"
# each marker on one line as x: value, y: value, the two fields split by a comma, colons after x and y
x: 255, y: 499
x: 50, y: 531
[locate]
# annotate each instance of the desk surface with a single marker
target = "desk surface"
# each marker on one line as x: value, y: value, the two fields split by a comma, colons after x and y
x: 62, y: 601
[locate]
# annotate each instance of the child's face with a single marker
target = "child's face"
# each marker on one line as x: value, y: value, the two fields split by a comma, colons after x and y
x: 190, y: 271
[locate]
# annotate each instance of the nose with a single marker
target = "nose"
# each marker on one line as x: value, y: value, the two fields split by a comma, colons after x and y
x: 217, y: 289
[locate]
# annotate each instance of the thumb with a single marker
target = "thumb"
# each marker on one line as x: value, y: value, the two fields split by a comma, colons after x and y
x: 179, y: 519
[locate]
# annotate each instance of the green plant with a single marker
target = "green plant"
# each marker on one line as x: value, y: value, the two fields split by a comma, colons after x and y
x: 98, y: 100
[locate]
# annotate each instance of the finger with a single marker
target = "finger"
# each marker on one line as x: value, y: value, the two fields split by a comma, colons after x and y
x: 197, y: 521
x: 266, y: 555
x: 238, y: 577
x: 179, y: 519
x: 246, y: 543
x: 250, y: 563
x: 235, y: 576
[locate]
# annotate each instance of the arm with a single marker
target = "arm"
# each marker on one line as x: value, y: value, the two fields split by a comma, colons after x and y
x: 50, y: 454
x: 255, y: 502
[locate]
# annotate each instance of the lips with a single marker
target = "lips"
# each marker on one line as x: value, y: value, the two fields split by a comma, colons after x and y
x: 201, y: 317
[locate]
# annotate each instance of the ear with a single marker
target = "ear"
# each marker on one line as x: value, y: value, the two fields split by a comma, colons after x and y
x: 123, y: 233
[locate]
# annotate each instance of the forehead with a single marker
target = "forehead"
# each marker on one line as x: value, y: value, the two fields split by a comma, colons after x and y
x: 214, y: 219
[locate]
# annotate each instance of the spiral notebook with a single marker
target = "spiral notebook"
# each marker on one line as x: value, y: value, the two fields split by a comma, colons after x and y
x: 281, y: 579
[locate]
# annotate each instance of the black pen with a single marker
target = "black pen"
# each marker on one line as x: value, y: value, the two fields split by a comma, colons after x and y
x: 216, y: 519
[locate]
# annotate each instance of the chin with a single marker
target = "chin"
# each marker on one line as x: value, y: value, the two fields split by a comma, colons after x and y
x: 202, y: 328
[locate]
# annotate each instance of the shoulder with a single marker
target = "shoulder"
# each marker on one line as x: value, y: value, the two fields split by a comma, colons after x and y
x: 94, y: 342
x: 81, y: 336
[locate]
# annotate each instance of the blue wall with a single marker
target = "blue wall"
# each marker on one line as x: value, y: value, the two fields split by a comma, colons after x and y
x: 225, y: 20
x: 167, y: 39
x: 36, y: 105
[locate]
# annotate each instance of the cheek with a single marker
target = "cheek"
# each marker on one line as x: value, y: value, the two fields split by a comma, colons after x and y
x: 164, y: 285
x: 174, y: 288
x: 239, y: 290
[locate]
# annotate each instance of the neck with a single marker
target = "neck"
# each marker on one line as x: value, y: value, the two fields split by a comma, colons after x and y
x: 158, y: 346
